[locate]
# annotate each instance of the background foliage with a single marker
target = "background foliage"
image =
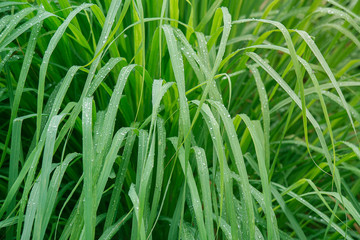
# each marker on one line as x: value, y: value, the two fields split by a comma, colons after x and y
x: 151, y: 119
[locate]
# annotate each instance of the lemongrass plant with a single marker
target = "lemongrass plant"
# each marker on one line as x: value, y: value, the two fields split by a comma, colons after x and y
x: 180, y: 119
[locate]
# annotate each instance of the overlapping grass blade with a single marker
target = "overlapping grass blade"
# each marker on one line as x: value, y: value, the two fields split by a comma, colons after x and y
x: 215, y: 178
x: 20, y: 30
x: 46, y: 59
x: 296, y: 99
x: 225, y: 180
x: 239, y: 163
x: 21, y: 82
x: 199, y: 216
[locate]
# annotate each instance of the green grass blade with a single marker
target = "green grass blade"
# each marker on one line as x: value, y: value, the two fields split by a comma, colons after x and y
x: 53, y: 190
x: 260, y: 152
x: 326, y: 68
x: 295, y: 224
x: 110, y: 114
x: 239, y: 162
x: 88, y: 165
x: 111, y: 231
x: 31, y: 211
x: 296, y: 99
x: 199, y: 216
x: 135, y: 200
x: 203, y: 172
x: 109, y: 161
x: 265, y: 112
x: 21, y: 82
x: 46, y: 59
x: 225, y: 181
x: 115, y: 197
x: 16, y: 19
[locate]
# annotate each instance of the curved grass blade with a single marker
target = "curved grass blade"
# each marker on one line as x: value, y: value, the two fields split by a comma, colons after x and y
x: 295, y: 225
x: 295, y: 62
x: 312, y: 208
x: 340, y: 14
x: 45, y: 63
x: 120, y: 177
x: 109, y: 161
x: 327, y: 69
x: 225, y: 180
x: 45, y: 174
x: 296, y: 99
x: 239, y: 163
x: 135, y: 200
x: 112, y: 230
x: 53, y: 190
x: 103, y: 72
x: 110, y: 114
x: 265, y: 112
x: 15, y: 19
x: 20, y: 30
x: 342, y: 30
x: 254, y: 130
x: 317, y: 88
x: 195, y: 198
x: 16, y: 156
x: 32, y: 161
x: 21, y: 82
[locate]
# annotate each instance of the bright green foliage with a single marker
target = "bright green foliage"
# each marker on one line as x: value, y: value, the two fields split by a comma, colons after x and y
x: 180, y: 119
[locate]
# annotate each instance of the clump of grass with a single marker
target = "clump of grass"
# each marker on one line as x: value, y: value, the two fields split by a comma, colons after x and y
x: 180, y: 119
